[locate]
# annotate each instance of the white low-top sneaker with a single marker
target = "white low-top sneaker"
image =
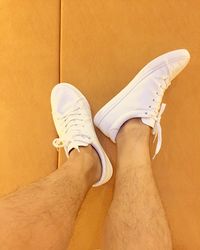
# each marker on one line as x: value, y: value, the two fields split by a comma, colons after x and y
x: 72, y: 118
x: 142, y: 97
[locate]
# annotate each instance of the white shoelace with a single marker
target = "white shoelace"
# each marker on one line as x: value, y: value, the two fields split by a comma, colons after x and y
x: 157, y: 129
x: 72, y: 127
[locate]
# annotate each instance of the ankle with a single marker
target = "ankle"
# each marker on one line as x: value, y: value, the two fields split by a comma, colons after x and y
x: 88, y: 163
x: 133, y: 128
x: 133, y: 144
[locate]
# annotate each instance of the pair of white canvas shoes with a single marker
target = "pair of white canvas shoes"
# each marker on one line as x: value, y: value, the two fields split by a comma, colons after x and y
x: 141, y: 98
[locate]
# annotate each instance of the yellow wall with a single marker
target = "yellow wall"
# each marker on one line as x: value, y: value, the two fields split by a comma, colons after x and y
x: 101, y: 46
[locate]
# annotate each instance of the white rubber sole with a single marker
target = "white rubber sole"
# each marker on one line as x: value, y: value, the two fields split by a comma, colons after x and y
x: 108, y: 171
x: 152, y: 66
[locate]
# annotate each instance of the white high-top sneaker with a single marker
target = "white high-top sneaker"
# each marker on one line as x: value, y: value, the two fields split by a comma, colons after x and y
x: 142, y: 97
x: 74, y: 125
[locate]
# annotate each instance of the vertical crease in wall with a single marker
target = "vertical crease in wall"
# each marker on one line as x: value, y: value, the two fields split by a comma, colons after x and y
x: 60, y: 42
x: 60, y: 58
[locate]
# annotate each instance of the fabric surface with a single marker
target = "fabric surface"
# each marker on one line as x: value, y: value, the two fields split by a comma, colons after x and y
x: 29, y: 67
x: 103, y: 45
x: 99, y: 46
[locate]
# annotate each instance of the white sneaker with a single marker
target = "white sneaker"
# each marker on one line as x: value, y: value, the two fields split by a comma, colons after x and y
x: 74, y: 125
x: 142, y: 97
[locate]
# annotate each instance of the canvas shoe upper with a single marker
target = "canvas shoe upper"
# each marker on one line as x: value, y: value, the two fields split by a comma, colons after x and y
x: 142, y: 97
x: 72, y: 118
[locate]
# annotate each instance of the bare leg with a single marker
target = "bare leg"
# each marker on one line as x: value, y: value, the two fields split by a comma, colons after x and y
x: 41, y: 216
x: 136, y: 219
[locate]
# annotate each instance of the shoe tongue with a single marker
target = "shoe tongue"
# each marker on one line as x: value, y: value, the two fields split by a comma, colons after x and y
x: 62, y: 109
x: 148, y: 121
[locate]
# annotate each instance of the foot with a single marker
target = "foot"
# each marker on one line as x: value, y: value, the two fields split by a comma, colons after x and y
x: 142, y: 97
x: 73, y: 122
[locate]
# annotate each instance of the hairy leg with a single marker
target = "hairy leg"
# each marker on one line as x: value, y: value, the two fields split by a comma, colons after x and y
x: 136, y: 219
x: 41, y: 215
